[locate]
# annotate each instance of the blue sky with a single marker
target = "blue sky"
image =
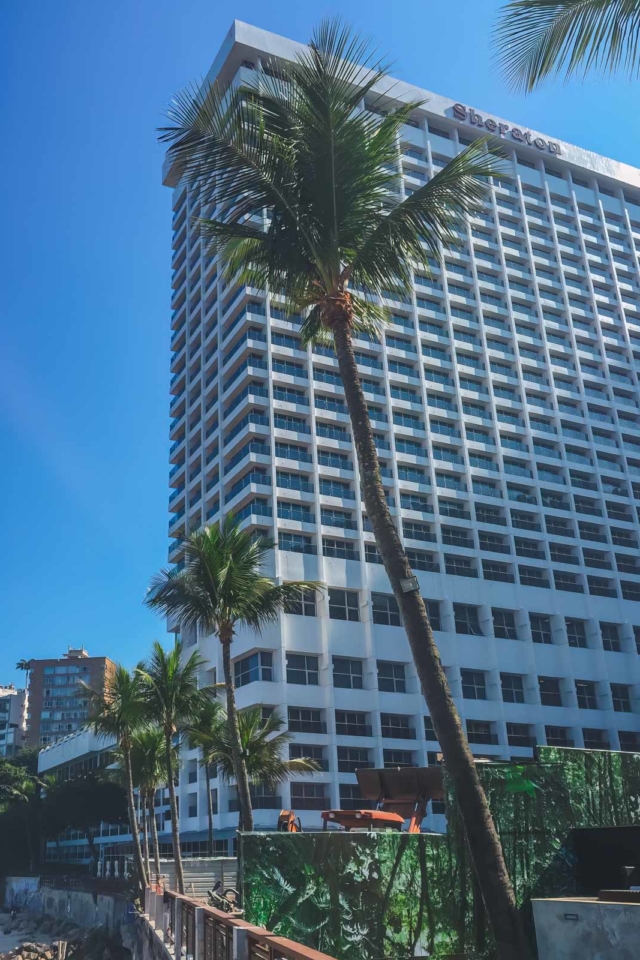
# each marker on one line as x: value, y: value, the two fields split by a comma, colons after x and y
x: 85, y: 271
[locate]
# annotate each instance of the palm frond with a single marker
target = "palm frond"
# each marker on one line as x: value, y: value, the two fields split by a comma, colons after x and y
x: 538, y: 39
x: 429, y: 219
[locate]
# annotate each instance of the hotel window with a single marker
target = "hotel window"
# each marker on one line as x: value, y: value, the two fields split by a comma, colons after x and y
x: 466, y: 619
x: 610, y: 637
x: 550, y: 695
x: 540, y: 628
x: 304, y: 605
x: 347, y: 673
x: 385, y: 609
x: 391, y: 677
x: 576, y: 632
x: 586, y: 694
x: 512, y: 687
x: 621, y: 698
x: 504, y: 624
x: 302, y: 669
x: 343, y: 604
x: 257, y: 666
x: 473, y: 684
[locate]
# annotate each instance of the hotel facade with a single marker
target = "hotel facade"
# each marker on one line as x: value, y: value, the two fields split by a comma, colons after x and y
x: 505, y: 405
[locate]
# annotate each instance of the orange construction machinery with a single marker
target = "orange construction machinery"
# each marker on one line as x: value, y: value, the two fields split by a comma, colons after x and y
x: 396, y: 795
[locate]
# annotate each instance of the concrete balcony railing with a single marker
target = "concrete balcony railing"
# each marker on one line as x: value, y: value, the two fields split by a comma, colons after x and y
x: 177, y: 926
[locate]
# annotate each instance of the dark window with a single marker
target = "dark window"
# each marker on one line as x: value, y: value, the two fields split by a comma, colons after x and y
x: 558, y: 737
x: 341, y: 549
x: 540, y: 628
x: 466, y: 619
x: 459, y: 566
x: 304, y: 605
x: 629, y: 740
x: 512, y: 688
x: 550, y: 695
x: 308, y: 751
x: 504, y: 624
x: 586, y: 694
x: 398, y: 758
x: 343, y: 604
x: 480, y: 731
x: 595, y: 739
x: 576, y: 633
x: 351, y: 798
x: 391, y: 677
x: 257, y: 666
x: 351, y: 759
x: 309, y: 796
x: 371, y: 553
x: 347, y: 673
x: 397, y: 726
x: 295, y: 543
x: 352, y: 724
x: 385, y: 609
x: 636, y: 636
x: 519, y: 735
x: 621, y: 698
x: 433, y: 612
x: 303, y: 720
x: 420, y: 560
x: 429, y: 732
x: 473, y: 684
x: 193, y: 804
x: 610, y: 637
x: 302, y: 668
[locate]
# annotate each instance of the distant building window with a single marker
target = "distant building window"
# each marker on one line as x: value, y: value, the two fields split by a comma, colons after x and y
x: 304, y: 605
x: 540, y: 628
x: 621, y: 697
x: 610, y: 637
x: 550, y: 695
x: 586, y: 694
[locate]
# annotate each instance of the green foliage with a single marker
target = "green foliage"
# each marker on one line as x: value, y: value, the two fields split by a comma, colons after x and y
x: 538, y: 39
x: 366, y: 896
x: 221, y: 584
x: 263, y: 744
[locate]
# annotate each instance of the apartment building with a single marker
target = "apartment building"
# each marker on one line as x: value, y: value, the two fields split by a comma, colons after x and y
x: 13, y: 719
x: 57, y: 705
x: 504, y: 400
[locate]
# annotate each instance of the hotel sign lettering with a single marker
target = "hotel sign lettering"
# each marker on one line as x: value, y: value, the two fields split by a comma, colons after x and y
x: 461, y: 112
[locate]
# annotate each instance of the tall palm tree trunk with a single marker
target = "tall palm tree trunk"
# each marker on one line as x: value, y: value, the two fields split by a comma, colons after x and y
x: 133, y: 823
x: 239, y: 765
x: 481, y: 834
x: 145, y: 831
x: 207, y: 777
x: 154, y: 834
x: 173, y: 806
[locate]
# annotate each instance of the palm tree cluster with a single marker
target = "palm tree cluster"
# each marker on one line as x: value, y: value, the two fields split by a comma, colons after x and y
x: 151, y: 710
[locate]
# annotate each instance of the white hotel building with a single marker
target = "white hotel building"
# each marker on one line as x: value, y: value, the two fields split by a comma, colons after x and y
x: 504, y: 400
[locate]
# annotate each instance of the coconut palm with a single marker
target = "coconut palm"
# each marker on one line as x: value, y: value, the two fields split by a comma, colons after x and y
x: 220, y: 589
x: 149, y: 773
x: 199, y: 734
x: 308, y: 192
x: 538, y: 39
x: 173, y: 698
x: 264, y: 741
x: 117, y: 712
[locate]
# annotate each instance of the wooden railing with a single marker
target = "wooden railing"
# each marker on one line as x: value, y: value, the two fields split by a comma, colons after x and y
x: 189, y: 929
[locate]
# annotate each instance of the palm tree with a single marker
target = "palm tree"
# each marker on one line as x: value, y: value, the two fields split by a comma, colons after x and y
x: 307, y: 190
x: 538, y: 39
x: 199, y: 735
x: 263, y: 744
x: 173, y: 698
x: 149, y: 772
x: 219, y: 589
x: 117, y: 711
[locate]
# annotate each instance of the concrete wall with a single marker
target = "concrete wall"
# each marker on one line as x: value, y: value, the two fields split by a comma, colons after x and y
x: 79, y: 907
x: 574, y: 929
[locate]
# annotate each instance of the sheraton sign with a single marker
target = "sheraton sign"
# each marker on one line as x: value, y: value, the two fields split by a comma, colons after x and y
x: 461, y: 112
